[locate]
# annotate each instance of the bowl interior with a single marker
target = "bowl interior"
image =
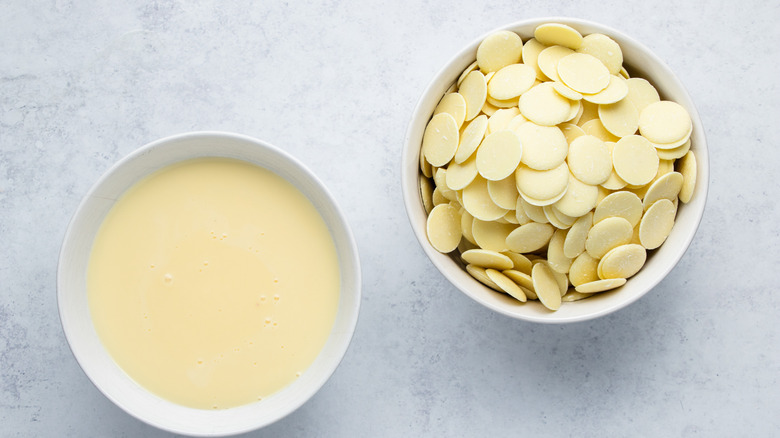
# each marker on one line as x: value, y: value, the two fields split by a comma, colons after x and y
x: 75, y: 313
x: 640, y: 62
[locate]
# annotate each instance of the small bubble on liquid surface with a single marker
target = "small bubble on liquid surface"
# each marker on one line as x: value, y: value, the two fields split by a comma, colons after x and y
x: 168, y: 278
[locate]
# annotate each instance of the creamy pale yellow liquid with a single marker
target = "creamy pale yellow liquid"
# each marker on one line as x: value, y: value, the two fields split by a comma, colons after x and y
x: 213, y: 283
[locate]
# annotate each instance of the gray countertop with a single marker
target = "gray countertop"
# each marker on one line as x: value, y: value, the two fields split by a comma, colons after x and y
x: 334, y: 83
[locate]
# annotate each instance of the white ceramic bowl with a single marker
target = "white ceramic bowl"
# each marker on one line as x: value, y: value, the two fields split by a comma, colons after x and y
x: 75, y: 313
x: 640, y: 62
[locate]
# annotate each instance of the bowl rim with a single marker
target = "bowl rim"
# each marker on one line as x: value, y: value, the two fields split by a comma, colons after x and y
x: 436, y: 88
x: 342, y: 331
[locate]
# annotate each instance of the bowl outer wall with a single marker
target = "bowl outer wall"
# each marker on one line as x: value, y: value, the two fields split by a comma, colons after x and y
x: 74, y: 310
x: 642, y: 63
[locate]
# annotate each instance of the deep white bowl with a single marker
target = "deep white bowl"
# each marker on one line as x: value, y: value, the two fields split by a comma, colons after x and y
x: 74, y: 309
x: 640, y: 62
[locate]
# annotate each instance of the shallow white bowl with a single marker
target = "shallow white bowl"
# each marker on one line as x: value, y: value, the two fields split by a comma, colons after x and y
x: 640, y: 62
x: 75, y: 313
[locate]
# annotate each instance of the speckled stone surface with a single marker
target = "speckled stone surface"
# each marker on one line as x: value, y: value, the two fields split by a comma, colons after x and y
x: 334, y: 83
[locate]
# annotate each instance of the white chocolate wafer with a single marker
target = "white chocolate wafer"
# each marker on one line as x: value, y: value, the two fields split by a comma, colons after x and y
x: 544, y: 106
x: 607, y: 234
x: 635, y: 160
x: 476, y: 200
x: 589, y: 159
x: 440, y: 139
x: 657, y: 223
x: 529, y: 237
x: 499, y: 155
x: 546, y: 286
x: 542, y: 184
x: 605, y: 49
x: 664, y: 122
x: 498, y: 50
x: 474, y: 91
x: 487, y: 259
x: 622, y: 262
x: 443, y: 228
x: 471, y: 137
x: 453, y: 104
x: 504, y: 193
x: 687, y: 167
x: 666, y: 187
x: 511, y: 81
x: 583, y: 73
x: 623, y: 204
x: 544, y: 147
x: 507, y: 285
x: 600, y: 285
x: 574, y: 244
x: 556, y: 33
x: 491, y: 235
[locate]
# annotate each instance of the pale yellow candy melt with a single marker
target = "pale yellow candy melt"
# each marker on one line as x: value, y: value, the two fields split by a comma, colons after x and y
x: 616, y: 90
x: 583, y: 269
x: 620, y: 118
x: 641, y: 93
x: 600, y: 285
x: 471, y: 138
x: 498, y: 50
x: 476, y: 200
x: 542, y: 184
x: 579, y: 198
x: 605, y: 49
x: 511, y: 81
x: 623, y: 204
x: 487, y: 259
x: 589, y: 159
x: 521, y: 263
x: 664, y: 122
x: 504, y: 193
x: 506, y: 284
x: 583, y: 73
x: 544, y: 106
x: 555, y: 255
x: 474, y: 92
x: 551, y: 34
x: 546, y: 286
x: 491, y: 235
x: 479, y: 274
x: 453, y: 104
x: 531, y: 50
x: 440, y: 140
x: 667, y: 186
x: 635, y: 160
x: 687, y: 167
x: 657, y: 223
x: 544, y: 147
x: 499, y: 155
x: 607, y: 234
x: 622, y: 262
x: 574, y: 244
x: 548, y: 60
x: 529, y: 237
x: 443, y: 228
